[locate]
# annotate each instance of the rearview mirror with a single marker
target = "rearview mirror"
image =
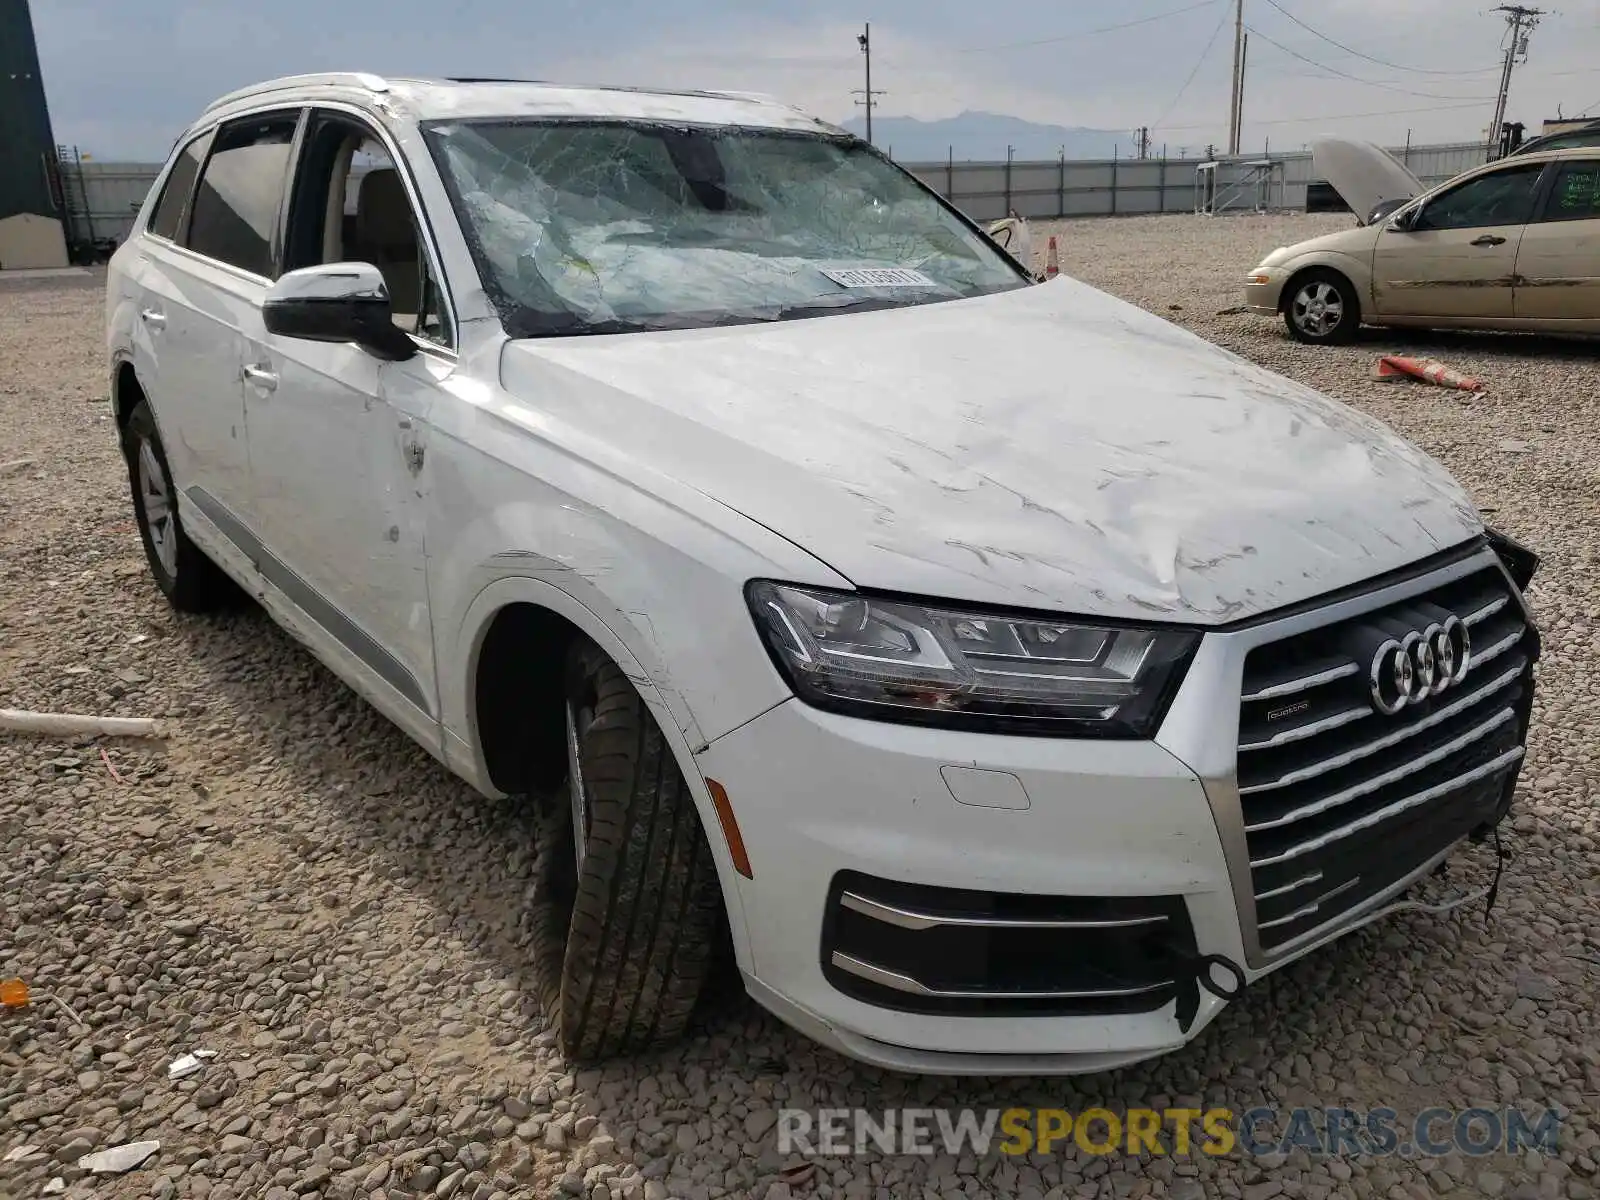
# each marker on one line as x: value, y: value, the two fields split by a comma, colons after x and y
x: 337, y: 302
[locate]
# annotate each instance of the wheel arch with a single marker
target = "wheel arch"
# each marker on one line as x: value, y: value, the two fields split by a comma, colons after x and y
x: 126, y: 390
x: 516, y: 621
x: 1345, y: 267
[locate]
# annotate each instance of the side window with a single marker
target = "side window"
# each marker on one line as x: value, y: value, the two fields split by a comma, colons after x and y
x: 167, y: 219
x: 350, y: 204
x: 1576, y: 195
x: 1501, y: 198
x: 235, y: 212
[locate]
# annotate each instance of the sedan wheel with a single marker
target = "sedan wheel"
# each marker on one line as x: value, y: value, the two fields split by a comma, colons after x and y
x: 1322, y: 308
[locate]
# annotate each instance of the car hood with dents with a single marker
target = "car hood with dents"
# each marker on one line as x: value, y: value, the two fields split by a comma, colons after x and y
x: 1050, y: 447
x: 1364, y: 174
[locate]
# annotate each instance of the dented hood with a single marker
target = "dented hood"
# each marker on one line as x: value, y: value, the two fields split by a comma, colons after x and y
x: 1050, y: 447
x: 1364, y: 174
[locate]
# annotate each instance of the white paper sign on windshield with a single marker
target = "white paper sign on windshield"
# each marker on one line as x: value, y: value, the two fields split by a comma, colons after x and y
x: 879, y: 277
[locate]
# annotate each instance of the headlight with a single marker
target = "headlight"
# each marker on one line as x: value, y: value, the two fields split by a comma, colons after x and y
x: 898, y: 661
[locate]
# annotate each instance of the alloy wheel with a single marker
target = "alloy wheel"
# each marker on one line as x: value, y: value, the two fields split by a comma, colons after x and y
x: 1318, y: 308
x: 159, y: 517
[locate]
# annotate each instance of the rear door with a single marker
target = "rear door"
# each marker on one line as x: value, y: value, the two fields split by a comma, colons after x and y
x: 162, y: 336
x: 205, y: 287
x: 1458, y: 259
x: 1558, y: 265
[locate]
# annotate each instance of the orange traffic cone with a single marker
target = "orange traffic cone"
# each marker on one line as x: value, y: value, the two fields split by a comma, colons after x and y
x: 1052, y: 259
x: 1392, y: 367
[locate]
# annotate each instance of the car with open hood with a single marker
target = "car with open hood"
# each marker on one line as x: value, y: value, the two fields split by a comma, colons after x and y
x: 996, y: 676
x: 1512, y: 245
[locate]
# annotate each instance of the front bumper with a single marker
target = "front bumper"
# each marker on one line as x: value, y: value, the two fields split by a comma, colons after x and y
x: 820, y: 797
x: 1265, y: 297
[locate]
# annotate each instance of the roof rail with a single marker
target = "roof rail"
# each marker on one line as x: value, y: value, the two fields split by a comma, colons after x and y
x: 353, y: 79
x: 756, y: 97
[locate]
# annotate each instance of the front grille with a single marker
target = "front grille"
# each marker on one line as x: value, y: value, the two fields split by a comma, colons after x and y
x: 957, y: 952
x: 1340, y: 801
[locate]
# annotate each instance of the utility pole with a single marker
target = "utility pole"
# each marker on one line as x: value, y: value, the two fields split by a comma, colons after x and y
x: 1521, y: 21
x: 1237, y: 90
x: 1238, y: 108
x: 1142, y: 138
x: 868, y: 96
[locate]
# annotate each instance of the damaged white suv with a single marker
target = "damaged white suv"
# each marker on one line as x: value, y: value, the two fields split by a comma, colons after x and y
x: 1006, y: 674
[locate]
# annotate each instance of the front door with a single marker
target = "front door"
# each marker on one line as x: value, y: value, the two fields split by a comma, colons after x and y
x: 336, y: 449
x: 1458, y: 258
x: 1558, y: 267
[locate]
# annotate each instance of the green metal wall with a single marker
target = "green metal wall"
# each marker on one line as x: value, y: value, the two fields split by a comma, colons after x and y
x: 26, y: 143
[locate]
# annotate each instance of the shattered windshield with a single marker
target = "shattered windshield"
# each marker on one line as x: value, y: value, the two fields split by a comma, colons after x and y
x: 611, y: 226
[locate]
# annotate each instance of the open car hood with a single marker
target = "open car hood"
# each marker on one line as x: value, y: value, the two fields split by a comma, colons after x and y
x: 1364, y: 174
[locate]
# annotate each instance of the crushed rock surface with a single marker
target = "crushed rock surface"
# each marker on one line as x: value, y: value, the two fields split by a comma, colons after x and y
x: 289, y: 882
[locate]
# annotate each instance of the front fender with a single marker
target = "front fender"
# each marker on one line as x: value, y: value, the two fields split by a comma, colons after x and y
x: 1356, y: 269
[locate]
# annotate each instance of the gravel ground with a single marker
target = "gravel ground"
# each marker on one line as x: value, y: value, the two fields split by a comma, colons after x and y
x: 288, y: 882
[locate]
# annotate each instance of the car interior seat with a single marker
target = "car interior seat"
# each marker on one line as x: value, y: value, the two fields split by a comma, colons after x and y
x: 386, y: 237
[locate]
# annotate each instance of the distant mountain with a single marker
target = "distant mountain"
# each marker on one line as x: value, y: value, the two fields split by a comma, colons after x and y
x: 985, y: 136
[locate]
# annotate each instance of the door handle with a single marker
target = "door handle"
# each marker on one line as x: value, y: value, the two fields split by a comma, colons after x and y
x: 1489, y: 239
x: 261, y: 378
x: 153, y: 318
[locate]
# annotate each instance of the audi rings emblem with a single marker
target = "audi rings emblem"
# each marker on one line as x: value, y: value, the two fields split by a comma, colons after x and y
x: 1423, y: 663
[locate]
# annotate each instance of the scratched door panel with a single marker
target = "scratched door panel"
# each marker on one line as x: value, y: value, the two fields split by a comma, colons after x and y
x: 1446, y: 273
x: 1558, y: 265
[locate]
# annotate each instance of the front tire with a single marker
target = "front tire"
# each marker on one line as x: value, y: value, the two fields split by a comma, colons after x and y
x: 189, y: 580
x: 626, y: 862
x: 1321, y: 308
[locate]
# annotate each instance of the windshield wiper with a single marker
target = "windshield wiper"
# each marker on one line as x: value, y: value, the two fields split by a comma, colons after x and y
x: 821, y: 306
x: 534, y: 323
x: 537, y: 323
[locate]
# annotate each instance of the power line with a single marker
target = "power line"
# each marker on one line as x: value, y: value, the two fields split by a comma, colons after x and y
x: 1381, y: 62
x: 1356, y: 78
x: 1212, y: 41
x: 1082, y: 33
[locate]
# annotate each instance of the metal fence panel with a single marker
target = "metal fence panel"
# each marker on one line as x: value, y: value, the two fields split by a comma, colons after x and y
x: 1105, y: 187
x: 115, y: 193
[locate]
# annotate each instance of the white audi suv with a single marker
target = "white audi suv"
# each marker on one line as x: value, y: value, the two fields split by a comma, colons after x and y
x: 1008, y: 676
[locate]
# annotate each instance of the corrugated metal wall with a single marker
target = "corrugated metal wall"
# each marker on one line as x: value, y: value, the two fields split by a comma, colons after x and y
x: 115, y: 193
x: 984, y: 191
x: 987, y: 191
x: 26, y: 144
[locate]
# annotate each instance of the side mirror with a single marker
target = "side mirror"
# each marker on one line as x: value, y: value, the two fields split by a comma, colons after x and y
x: 1403, y: 222
x: 337, y: 302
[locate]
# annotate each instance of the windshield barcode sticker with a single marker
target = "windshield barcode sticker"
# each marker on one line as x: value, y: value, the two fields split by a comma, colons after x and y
x: 879, y: 277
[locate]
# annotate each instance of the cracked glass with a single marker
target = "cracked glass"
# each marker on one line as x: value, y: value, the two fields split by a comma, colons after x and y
x: 619, y: 226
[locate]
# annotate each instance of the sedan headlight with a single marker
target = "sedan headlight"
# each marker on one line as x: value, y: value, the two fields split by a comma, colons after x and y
x: 898, y: 661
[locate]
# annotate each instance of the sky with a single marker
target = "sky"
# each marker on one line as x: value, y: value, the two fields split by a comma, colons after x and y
x: 123, y: 80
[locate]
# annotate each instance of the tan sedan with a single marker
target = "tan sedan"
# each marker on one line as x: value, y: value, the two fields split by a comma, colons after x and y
x: 1514, y: 245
